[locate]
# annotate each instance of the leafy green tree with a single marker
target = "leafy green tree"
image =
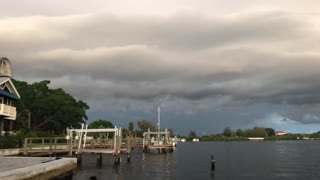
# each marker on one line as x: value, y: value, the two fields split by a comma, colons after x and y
x: 316, y: 135
x: 100, y: 124
x: 144, y: 125
x: 227, y: 132
x: 270, y: 132
x: 48, y: 109
x: 259, y: 132
x: 131, y: 126
x: 239, y: 133
x: 255, y: 132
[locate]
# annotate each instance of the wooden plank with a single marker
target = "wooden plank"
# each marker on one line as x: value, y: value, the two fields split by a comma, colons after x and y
x: 105, y: 151
x: 93, y: 130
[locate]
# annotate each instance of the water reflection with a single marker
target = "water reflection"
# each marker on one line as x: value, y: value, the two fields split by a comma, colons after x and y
x: 237, y: 160
x: 117, y: 172
x: 158, y: 165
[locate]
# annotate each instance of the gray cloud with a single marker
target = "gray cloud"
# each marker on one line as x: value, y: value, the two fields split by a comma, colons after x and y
x: 209, y: 62
x: 141, y: 57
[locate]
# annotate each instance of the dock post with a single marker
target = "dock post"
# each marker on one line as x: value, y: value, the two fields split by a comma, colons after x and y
x: 213, y: 163
x: 117, y: 159
x: 25, y: 146
x: 70, y: 143
x: 42, y: 145
x: 79, y: 159
x: 55, y: 143
x: 129, y: 147
x: 99, y: 158
x: 128, y: 156
x: 50, y: 147
x: 100, y: 140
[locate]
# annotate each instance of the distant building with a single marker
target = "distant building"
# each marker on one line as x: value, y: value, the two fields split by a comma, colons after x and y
x: 8, y: 95
x: 280, y: 133
x: 256, y: 138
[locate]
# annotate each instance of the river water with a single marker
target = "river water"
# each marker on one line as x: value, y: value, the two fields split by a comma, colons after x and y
x: 234, y: 160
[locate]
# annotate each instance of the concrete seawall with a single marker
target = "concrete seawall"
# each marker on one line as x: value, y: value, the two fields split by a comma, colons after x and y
x: 16, y: 168
x: 9, y: 152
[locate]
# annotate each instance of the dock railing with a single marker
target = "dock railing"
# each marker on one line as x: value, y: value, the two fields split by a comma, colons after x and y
x: 95, y: 140
x: 157, y: 140
x: 48, y: 145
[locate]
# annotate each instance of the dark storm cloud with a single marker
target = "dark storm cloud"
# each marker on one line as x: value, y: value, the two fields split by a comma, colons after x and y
x: 195, y: 63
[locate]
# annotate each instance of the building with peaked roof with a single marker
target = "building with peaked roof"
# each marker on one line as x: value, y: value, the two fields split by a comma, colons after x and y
x: 8, y: 95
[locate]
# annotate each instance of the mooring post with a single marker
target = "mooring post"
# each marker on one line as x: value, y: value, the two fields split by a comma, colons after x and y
x: 79, y: 158
x: 213, y: 162
x: 128, y: 156
x: 55, y: 143
x: 117, y: 159
x: 25, y: 146
x: 50, y: 147
x: 100, y: 139
x: 99, y: 158
x: 42, y: 145
x: 70, y: 143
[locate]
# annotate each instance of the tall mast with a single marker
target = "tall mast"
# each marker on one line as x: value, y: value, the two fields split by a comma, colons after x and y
x: 159, y: 121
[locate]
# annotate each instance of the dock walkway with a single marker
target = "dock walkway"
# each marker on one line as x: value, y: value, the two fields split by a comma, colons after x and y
x: 17, y: 168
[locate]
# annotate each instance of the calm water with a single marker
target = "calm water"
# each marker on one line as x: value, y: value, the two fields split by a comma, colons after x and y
x: 235, y: 160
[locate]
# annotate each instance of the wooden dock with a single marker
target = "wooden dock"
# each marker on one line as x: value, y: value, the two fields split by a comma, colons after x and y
x: 159, y: 141
x: 45, y: 146
x: 16, y: 168
x: 98, y: 141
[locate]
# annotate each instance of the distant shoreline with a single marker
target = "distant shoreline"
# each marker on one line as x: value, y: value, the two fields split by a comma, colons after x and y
x: 271, y: 138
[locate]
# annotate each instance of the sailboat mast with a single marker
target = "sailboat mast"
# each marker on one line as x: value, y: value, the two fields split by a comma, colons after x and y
x: 159, y: 122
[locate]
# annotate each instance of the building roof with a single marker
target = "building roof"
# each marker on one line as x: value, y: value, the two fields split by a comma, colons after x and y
x: 9, y: 84
x: 12, y: 96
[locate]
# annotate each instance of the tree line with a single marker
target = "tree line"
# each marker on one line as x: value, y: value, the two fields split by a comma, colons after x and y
x: 45, y: 112
x: 44, y: 109
x: 254, y: 132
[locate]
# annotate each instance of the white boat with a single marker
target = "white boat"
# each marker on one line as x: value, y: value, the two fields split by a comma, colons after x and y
x: 183, y: 140
x: 195, y: 140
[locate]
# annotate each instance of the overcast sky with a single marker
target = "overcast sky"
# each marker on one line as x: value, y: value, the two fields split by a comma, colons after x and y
x: 209, y: 64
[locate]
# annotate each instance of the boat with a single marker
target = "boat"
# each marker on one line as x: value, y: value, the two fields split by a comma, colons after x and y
x: 195, y: 140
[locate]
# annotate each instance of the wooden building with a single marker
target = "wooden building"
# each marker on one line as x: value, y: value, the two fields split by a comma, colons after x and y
x: 8, y: 96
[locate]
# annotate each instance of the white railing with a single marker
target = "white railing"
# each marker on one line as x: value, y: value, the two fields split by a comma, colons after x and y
x: 9, y: 111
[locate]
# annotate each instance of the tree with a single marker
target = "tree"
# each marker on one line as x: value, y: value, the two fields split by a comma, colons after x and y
x: 239, y: 133
x: 144, y: 125
x: 255, y: 132
x: 270, y: 132
x: 171, y: 131
x: 99, y: 124
x: 259, y: 132
x: 131, y: 126
x: 192, y: 134
x: 48, y: 109
x: 227, y: 132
